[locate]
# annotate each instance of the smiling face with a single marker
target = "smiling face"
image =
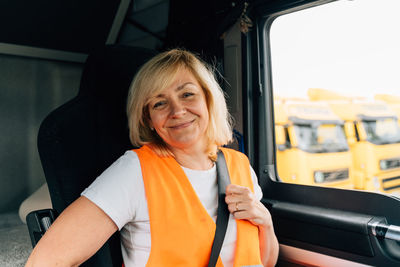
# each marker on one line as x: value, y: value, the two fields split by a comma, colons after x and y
x: 179, y: 113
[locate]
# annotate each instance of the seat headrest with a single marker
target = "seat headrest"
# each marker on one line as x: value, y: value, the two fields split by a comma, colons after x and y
x: 109, y: 70
x: 81, y: 138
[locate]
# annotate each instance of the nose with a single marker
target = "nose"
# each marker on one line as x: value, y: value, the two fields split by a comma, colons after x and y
x: 177, y: 108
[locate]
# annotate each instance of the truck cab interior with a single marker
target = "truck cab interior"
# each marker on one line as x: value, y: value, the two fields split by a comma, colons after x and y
x: 65, y: 69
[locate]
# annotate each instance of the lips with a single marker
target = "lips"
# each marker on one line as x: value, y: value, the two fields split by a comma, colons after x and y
x: 181, y: 125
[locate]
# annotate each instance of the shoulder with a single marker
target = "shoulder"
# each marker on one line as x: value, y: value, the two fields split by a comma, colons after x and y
x: 120, y: 172
x: 119, y: 190
x: 233, y: 154
x: 128, y: 161
x: 129, y: 157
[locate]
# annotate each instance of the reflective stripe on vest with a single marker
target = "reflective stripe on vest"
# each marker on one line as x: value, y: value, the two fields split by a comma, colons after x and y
x: 182, y: 231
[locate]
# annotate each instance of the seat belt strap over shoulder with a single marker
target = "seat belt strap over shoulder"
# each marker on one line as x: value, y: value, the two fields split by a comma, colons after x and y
x: 223, y: 181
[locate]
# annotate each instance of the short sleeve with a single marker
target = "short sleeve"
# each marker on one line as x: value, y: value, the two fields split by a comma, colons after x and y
x: 257, y: 188
x: 119, y: 189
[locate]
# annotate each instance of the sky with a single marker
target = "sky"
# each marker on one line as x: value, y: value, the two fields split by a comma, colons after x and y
x: 351, y: 47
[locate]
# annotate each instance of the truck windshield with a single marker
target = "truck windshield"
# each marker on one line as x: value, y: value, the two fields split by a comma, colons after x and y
x: 322, y: 138
x: 382, y: 131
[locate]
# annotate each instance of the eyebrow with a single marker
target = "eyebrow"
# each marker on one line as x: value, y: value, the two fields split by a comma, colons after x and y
x: 180, y: 87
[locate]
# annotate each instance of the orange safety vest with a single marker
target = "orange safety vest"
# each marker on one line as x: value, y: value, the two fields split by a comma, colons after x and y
x: 182, y: 232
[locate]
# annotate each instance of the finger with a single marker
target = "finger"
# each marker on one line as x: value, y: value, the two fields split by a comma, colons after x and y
x: 244, y: 196
x: 239, y: 198
x: 232, y: 207
x: 256, y: 213
x: 236, y: 206
x: 249, y: 215
x: 233, y: 199
x: 236, y: 189
x: 242, y: 215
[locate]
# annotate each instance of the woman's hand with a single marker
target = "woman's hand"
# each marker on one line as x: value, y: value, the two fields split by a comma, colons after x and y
x: 244, y: 205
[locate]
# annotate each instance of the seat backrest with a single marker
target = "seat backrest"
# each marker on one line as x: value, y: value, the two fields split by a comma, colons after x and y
x: 80, y: 139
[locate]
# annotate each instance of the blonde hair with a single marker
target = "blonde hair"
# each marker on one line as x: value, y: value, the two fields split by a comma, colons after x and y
x: 156, y: 75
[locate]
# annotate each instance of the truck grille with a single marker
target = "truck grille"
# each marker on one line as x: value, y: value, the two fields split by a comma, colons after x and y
x: 393, y: 163
x: 385, y: 182
x: 332, y: 176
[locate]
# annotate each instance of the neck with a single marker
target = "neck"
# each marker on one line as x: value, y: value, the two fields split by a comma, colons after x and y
x: 195, y: 158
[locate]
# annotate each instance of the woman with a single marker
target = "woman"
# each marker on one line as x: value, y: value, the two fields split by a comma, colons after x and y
x: 163, y: 196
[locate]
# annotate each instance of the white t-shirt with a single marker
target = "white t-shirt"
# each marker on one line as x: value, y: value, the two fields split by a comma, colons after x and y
x: 119, y: 192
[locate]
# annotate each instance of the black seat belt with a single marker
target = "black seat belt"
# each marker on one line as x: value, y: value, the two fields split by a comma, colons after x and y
x: 222, y: 212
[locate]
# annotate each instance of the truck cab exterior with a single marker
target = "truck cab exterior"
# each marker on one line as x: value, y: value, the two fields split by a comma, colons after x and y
x: 373, y: 134
x: 311, y: 145
x: 392, y: 101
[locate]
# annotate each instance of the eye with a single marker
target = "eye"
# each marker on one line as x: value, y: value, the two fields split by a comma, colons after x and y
x: 187, y: 94
x: 159, y: 104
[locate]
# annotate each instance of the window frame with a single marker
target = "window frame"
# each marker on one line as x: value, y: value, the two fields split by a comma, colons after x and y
x: 259, y: 133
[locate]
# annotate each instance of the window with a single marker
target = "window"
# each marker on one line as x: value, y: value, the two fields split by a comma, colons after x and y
x: 382, y: 131
x: 335, y: 81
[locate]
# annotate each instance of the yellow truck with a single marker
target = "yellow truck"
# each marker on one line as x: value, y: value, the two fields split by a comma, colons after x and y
x: 311, y: 145
x: 373, y: 135
x: 392, y: 101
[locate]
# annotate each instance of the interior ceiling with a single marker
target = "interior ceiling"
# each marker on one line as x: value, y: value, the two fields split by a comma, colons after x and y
x: 145, y: 19
x: 68, y: 25
x: 80, y: 26
x: 195, y: 25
